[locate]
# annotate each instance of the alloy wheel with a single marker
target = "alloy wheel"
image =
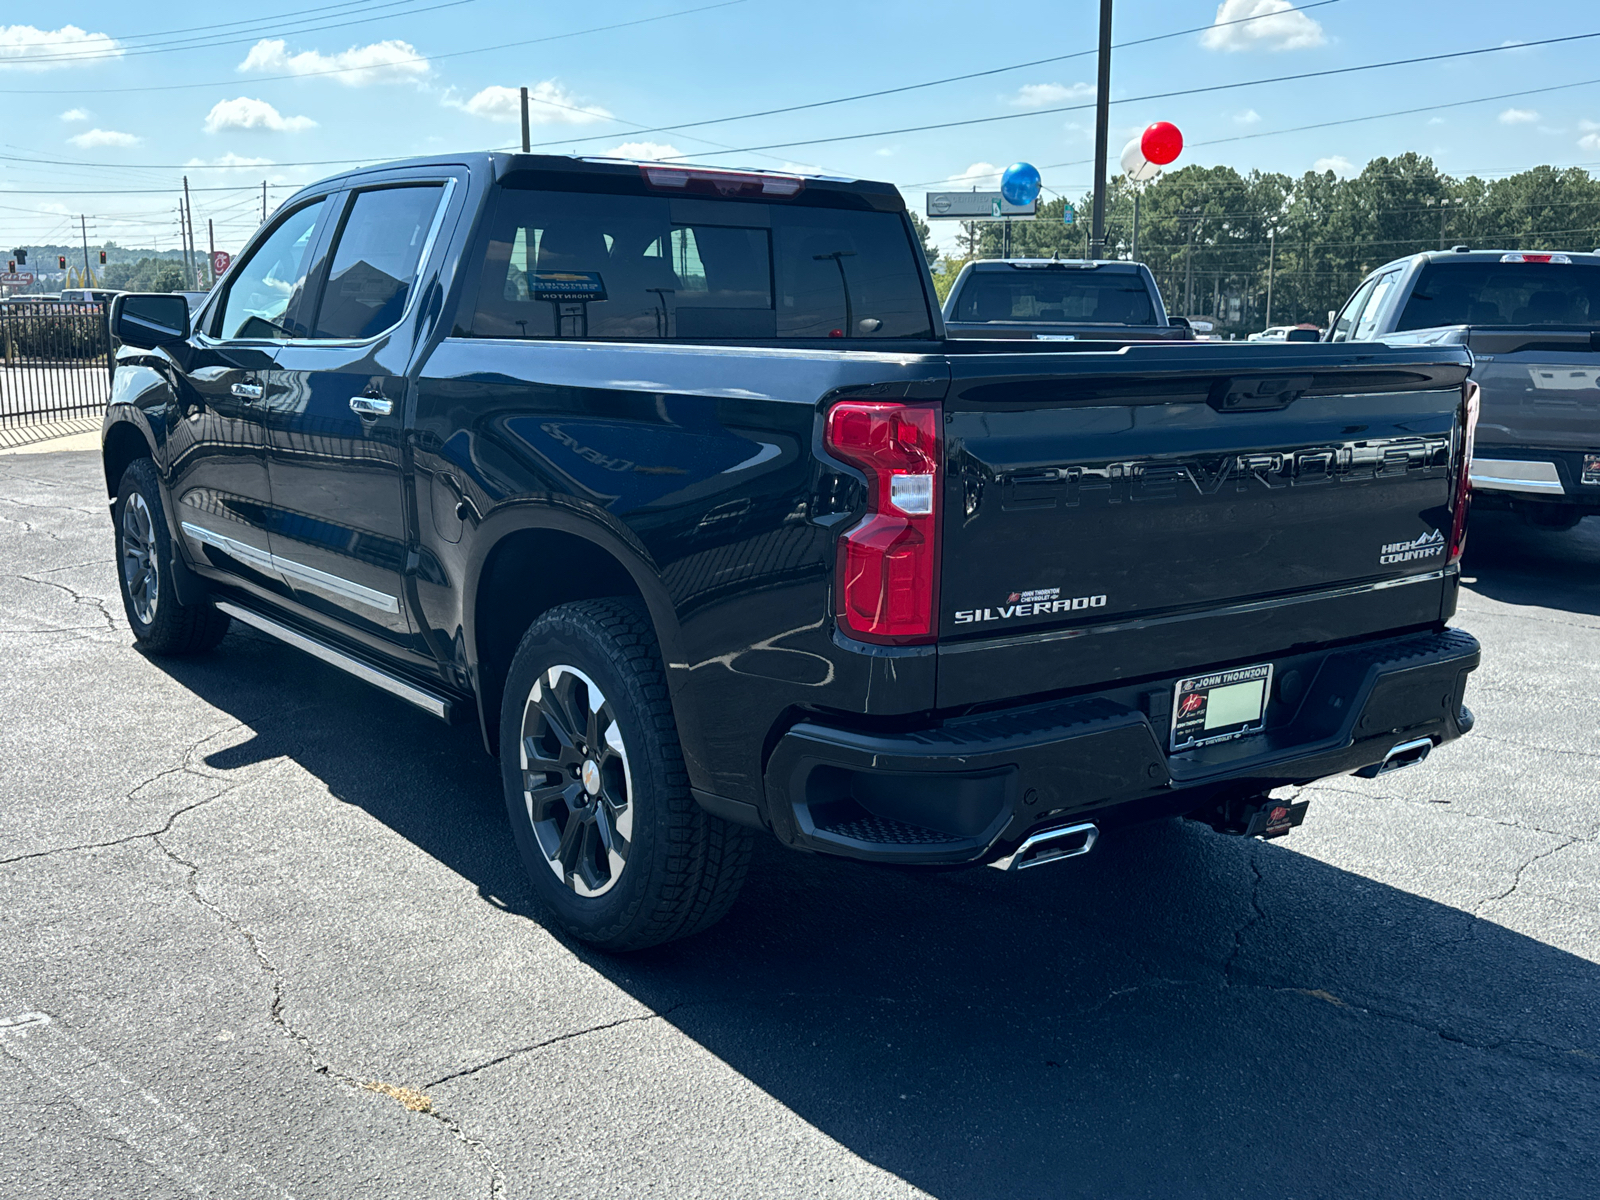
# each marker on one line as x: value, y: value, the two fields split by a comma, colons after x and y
x: 139, y: 573
x: 575, y: 780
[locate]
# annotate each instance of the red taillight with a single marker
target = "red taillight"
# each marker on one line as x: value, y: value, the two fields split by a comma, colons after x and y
x: 887, y: 586
x: 722, y: 183
x: 1462, y: 500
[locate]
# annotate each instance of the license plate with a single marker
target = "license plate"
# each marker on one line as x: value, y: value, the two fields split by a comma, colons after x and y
x: 1220, y: 706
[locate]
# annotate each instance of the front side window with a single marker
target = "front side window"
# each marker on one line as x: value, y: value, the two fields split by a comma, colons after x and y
x: 263, y: 288
x: 573, y: 265
x: 375, y: 261
x: 1345, y: 322
x: 1367, y: 323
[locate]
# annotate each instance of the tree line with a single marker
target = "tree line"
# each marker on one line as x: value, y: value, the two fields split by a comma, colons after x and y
x: 1212, y: 236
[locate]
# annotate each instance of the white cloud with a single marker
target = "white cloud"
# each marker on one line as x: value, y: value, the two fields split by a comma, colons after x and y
x: 1518, y: 116
x: 978, y: 172
x: 24, y: 48
x: 1279, y: 25
x: 1039, y: 95
x: 1337, y: 163
x: 1437, y: 121
x: 391, y: 61
x: 648, y: 151
x: 1589, y: 126
x: 1248, y: 117
x: 245, y: 113
x: 102, y: 137
x: 75, y: 114
x: 1590, y: 141
x: 548, y: 104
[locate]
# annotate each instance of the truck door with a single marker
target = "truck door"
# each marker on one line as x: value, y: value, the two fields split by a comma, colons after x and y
x: 335, y: 429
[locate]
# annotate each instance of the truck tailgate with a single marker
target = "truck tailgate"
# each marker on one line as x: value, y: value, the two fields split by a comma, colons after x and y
x: 1113, y: 515
x: 1541, y: 388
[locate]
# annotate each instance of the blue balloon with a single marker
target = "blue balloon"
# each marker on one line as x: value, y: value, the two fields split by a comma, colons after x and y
x: 1020, y: 184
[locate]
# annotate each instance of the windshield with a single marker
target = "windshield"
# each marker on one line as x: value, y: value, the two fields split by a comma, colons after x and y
x: 1487, y: 293
x: 1055, y: 295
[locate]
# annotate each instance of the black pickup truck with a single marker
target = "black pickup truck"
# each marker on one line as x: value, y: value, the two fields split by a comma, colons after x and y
x: 1531, y: 321
x: 670, y: 478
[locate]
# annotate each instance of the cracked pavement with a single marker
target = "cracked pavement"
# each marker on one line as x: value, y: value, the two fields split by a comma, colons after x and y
x: 242, y: 889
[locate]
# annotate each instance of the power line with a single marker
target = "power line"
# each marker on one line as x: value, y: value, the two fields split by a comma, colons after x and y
x: 230, y: 40
x: 421, y: 58
x: 1216, y: 87
x: 128, y: 37
x: 911, y: 87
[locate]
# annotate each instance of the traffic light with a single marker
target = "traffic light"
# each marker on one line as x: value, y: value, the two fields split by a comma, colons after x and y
x: 22, y: 255
x: 62, y: 259
x: 12, y: 266
x: 102, y: 258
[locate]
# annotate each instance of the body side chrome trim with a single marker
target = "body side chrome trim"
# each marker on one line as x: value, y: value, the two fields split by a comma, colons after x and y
x: 289, y: 570
x: 1229, y: 610
x: 428, y: 701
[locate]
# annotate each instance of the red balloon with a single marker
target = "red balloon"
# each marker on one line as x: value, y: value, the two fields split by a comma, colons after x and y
x: 1161, y: 143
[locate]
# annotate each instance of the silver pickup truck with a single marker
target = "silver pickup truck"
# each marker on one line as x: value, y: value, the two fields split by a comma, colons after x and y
x: 1532, y: 323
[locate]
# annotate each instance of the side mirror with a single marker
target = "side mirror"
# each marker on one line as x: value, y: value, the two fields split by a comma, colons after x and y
x: 1302, y: 335
x: 1180, y: 322
x: 150, y: 319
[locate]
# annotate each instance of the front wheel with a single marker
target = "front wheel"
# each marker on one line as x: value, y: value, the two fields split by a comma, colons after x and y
x: 596, y: 790
x: 160, y: 623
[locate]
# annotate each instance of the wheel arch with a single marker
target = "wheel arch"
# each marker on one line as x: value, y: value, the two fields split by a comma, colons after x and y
x: 123, y: 441
x: 511, y: 581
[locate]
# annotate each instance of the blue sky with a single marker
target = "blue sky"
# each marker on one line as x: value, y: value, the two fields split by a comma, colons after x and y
x: 123, y: 100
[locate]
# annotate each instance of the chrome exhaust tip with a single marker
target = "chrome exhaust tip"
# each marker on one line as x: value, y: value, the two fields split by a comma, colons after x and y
x: 1050, y: 845
x: 1400, y: 756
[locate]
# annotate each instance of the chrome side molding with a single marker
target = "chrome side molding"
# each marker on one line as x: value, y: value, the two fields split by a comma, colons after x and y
x: 1051, y: 845
x: 428, y: 702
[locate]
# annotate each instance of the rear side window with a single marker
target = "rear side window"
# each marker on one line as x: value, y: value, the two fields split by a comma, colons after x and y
x: 576, y: 265
x: 375, y: 261
x: 1052, y: 294
x: 1488, y: 293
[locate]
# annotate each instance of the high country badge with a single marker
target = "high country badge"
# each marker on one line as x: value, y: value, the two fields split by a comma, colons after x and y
x: 1429, y: 545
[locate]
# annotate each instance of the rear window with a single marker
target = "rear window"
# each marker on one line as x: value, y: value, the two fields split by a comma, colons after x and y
x: 1051, y: 294
x: 1487, y: 293
x: 579, y: 265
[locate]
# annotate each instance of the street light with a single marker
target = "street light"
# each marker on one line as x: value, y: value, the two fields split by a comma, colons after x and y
x: 1272, y: 245
x: 1444, y: 203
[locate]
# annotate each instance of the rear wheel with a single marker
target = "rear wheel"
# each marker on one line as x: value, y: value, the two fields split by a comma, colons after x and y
x: 596, y: 790
x: 161, y: 625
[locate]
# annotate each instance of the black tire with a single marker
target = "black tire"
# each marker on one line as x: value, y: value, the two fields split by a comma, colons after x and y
x: 604, y: 800
x: 161, y: 625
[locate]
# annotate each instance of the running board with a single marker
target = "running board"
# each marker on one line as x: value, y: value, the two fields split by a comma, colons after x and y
x: 429, y: 702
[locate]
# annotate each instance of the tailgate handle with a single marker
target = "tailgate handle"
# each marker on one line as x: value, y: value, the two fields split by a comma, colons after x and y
x: 1255, y: 393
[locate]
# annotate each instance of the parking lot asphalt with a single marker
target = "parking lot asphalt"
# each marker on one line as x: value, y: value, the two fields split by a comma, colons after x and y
x: 264, y: 934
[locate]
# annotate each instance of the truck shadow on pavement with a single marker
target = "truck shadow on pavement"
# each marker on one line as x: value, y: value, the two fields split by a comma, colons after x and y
x: 1177, y: 1015
x: 1509, y: 561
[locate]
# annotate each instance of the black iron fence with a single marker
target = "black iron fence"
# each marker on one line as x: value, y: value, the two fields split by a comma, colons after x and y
x: 55, y: 361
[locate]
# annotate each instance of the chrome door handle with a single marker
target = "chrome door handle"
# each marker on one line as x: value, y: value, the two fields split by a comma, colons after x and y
x: 369, y: 406
x: 247, y: 391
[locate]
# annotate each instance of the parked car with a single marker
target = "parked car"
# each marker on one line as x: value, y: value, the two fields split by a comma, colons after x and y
x: 670, y: 478
x: 1532, y: 323
x: 1275, y: 333
x: 94, y: 296
x: 1052, y: 300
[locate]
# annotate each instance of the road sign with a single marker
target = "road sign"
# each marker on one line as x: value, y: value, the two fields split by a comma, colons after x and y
x: 219, y: 262
x: 17, y: 278
x: 976, y: 206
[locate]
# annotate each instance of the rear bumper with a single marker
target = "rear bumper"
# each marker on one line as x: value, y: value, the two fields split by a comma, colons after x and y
x: 970, y: 789
x: 1569, y: 477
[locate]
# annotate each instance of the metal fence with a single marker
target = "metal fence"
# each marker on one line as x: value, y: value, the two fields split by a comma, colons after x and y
x: 55, y: 361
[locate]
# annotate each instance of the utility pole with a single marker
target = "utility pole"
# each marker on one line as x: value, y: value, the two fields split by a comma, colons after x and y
x: 1272, y: 245
x: 188, y: 224
x: 527, y: 143
x: 83, y: 227
x: 211, y: 249
x: 1138, y: 191
x: 1102, y: 120
x: 1188, y: 265
x: 263, y: 201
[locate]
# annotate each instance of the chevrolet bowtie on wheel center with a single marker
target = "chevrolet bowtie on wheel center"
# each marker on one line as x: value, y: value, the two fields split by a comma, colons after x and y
x: 670, y: 479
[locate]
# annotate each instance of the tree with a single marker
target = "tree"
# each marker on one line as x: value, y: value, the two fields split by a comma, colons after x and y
x: 146, y: 275
x: 925, y: 236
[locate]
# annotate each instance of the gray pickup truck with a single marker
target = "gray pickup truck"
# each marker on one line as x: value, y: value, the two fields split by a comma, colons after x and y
x: 1532, y: 323
x: 1059, y: 300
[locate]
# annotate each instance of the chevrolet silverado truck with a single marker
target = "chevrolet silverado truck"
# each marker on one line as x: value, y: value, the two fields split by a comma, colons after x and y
x: 669, y: 478
x: 1059, y: 300
x: 1532, y: 324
